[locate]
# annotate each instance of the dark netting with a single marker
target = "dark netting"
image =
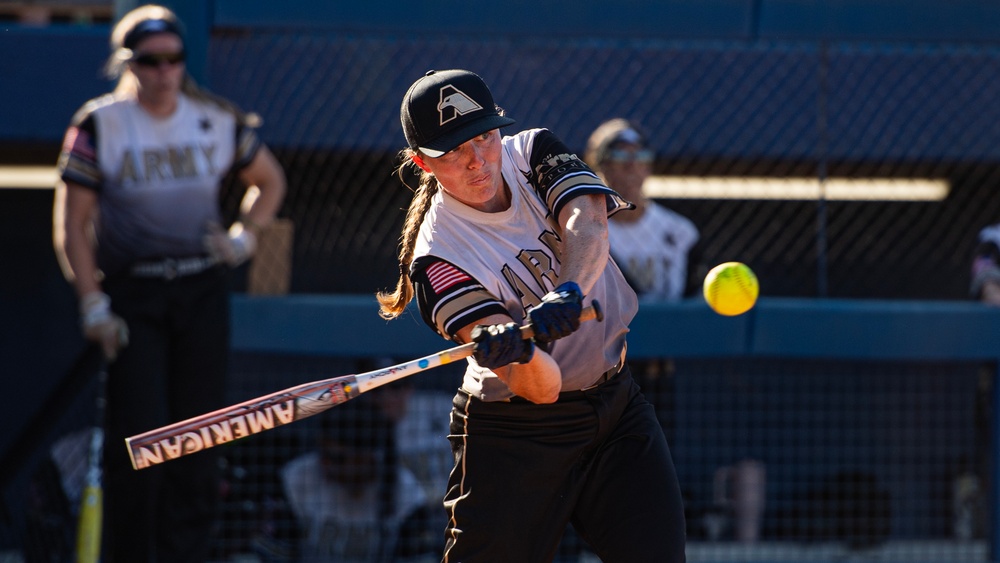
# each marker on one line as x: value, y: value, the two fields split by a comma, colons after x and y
x: 880, y: 460
x: 842, y: 460
x: 763, y: 110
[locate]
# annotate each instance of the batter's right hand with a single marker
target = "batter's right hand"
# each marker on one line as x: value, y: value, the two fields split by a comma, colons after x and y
x: 558, y: 315
x: 101, y: 325
x: 501, y: 344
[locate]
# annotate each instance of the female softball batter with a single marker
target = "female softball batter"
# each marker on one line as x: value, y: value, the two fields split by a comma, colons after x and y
x: 510, y: 230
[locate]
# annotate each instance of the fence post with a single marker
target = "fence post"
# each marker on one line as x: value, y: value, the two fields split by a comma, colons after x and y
x: 994, y: 485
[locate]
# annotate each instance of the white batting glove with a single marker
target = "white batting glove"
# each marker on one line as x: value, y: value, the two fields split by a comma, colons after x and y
x: 232, y: 248
x: 101, y: 325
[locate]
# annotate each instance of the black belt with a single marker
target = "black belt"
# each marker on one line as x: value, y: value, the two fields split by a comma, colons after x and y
x: 170, y: 268
x: 606, y: 376
x: 611, y: 373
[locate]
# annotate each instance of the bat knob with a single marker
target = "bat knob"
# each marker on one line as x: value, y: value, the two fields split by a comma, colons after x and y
x: 598, y: 313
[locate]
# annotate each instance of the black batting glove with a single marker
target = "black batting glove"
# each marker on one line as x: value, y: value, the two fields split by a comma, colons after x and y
x: 558, y: 314
x: 501, y: 344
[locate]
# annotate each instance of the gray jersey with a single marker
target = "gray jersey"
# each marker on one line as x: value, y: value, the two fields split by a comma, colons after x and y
x: 470, y: 264
x: 653, y: 251
x: 158, y: 179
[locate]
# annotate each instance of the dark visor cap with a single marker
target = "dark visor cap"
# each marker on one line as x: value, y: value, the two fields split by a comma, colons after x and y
x: 446, y: 108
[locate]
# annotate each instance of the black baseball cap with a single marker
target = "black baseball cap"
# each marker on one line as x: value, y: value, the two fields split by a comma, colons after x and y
x: 446, y: 108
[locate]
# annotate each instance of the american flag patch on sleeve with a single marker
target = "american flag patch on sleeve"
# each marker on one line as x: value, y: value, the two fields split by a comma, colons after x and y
x: 77, y: 141
x: 443, y: 275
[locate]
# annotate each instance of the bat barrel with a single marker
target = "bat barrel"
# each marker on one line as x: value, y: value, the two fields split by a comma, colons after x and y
x: 284, y: 407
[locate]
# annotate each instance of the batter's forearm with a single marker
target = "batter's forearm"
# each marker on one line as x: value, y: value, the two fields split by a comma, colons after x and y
x: 539, y: 381
x: 585, y: 241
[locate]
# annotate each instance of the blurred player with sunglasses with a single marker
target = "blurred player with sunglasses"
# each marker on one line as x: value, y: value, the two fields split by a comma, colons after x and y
x: 138, y: 233
x: 652, y: 244
x: 986, y: 267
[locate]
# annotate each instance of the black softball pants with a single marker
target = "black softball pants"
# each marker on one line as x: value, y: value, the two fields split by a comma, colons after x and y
x: 596, y: 458
x: 173, y: 368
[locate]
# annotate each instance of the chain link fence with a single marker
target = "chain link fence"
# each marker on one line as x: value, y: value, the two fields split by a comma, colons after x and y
x: 852, y: 470
x: 742, y: 111
x: 863, y: 461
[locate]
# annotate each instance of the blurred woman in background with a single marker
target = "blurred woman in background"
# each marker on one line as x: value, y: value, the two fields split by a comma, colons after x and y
x: 138, y: 233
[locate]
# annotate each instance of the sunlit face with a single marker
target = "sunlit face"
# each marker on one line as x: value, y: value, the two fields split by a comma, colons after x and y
x: 625, y: 167
x: 471, y: 172
x: 157, y: 63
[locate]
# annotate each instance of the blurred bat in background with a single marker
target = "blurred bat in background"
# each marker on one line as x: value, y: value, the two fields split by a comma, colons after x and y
x: 88, y: 533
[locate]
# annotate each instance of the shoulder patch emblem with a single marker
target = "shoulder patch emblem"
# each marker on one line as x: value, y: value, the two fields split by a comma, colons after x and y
x: 443, y: 275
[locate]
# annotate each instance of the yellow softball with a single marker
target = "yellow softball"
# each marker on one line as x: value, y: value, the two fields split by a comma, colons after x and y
x: 731, y: 288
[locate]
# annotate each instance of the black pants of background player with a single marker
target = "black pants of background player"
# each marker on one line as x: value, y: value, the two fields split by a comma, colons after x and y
x: 595, y: 458
x: 173, y: 368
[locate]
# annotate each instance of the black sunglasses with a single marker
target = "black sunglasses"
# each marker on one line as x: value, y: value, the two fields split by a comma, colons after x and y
x: 157, y: 59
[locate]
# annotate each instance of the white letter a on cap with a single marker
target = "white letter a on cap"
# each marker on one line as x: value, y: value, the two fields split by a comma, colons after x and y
x: 454, y: 103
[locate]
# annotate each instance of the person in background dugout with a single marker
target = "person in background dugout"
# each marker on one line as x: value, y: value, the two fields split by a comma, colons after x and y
x: 986, y: 267
x: 504, y: 231
x: 137, y: 221
x: 352, y: 498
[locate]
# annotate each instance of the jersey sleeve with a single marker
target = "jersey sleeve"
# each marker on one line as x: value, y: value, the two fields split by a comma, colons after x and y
x: 449, y: 298
x: 78, y: 156
x: 558, y: 176
x: 247, y: 145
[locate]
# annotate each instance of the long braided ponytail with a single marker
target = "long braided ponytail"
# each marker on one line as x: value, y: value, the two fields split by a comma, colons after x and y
x: 391, y: 305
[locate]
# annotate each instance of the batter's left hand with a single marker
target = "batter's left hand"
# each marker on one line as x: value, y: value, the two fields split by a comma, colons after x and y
x: 501, y: 344
x: 558, y: 314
